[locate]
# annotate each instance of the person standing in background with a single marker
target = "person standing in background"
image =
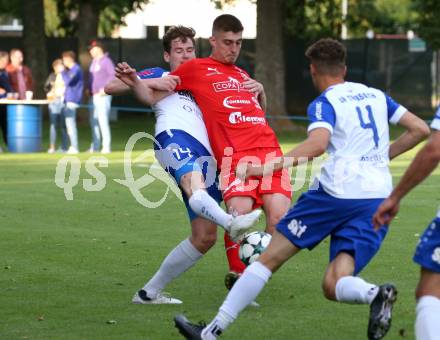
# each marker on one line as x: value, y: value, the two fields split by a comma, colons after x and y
x: 5, y: 88
x: 74, y: 83
x: 54, y: 88
x: 101, y: 73
x: 20, y: 75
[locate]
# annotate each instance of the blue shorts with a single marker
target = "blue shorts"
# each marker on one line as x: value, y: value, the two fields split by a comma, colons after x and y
x: 180, y: 153
x: 428, y: 250
x: 317, y: 215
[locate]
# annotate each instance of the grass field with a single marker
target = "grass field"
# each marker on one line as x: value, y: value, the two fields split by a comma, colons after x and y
x: 68, y: 269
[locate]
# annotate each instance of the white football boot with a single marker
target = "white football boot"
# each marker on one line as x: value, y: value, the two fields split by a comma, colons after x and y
x: 161, y: 299
x: 242, y: 223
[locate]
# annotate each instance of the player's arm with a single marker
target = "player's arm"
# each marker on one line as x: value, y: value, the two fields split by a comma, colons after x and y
x: 421, y: 167
x: 147, y: 91
x: 322, y: 119
x: 416, y: 131
x: 116, y: 87
x: 314, y: 146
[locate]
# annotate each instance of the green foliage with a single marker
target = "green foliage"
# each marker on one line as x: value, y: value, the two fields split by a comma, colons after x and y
x: 52, y: 20
x: 394, y: 16
x: 313, y: 19
x: 111, y: 13
x: 428, y: 21
x: 9, y: 9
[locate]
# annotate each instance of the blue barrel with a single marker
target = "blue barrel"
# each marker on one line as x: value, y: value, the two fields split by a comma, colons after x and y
x: 24, y: 128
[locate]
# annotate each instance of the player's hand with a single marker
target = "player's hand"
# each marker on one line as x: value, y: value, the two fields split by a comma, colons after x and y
x: 386, y: 212
x: 167, y: 83
x: 253, y: 86
x: 126, y: 74
x: 246, y: 170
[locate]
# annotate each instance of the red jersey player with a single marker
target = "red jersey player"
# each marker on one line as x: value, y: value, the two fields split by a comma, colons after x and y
x: 232, y: 106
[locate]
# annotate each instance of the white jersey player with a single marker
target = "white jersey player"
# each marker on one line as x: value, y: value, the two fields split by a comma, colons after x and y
x: 350, y: 121
x: 427, y: 255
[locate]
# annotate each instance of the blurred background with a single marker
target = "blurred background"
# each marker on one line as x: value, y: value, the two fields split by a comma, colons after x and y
x: 392, y: 44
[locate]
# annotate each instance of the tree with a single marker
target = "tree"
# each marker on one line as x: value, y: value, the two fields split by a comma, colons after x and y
x: 428, y: 21
x: 313, y: 19
x: 34, y: 42
x: 269, y: 61
x: 85, y: 18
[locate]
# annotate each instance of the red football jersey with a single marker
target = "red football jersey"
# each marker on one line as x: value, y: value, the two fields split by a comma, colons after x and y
x: 232, y: 115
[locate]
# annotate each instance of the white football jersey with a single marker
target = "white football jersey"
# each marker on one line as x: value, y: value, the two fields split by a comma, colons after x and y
x: 178, y: 111
x: 357, y: 117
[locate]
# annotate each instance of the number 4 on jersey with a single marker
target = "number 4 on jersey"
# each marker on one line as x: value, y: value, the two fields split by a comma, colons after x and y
x: 371, y: 125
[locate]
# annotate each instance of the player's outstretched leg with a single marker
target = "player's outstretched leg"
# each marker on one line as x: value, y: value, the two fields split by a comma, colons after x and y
x: 242, y: 223
x: 205, y: 206
x: 187, y: 329
x: 380, y: 311
x: 180, y: 259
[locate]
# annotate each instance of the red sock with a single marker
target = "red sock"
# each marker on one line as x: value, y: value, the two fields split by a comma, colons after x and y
x: 235, y: 264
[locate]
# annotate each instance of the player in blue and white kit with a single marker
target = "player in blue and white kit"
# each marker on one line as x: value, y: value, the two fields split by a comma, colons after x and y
x: 427, y: 325
x: 350, y: 121
x: 182, y: 148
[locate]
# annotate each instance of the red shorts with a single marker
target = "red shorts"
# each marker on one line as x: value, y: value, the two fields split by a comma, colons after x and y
x: 255, y: 187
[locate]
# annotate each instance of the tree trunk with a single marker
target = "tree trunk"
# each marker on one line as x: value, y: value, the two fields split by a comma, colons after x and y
x: 87, y: 31
x: 34, y: 43
x: 269, y: 64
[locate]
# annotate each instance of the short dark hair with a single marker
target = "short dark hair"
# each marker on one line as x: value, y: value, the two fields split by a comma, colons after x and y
x: 227, y: 23
x: 69, y: 54
x: 3, y: 54
x: 174, y: 32
x: 57, y: 62
x: 328, y: 56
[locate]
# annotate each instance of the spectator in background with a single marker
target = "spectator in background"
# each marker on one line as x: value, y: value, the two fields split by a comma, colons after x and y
x: 5, y: 88
x: 20, y: 75
x: 54, y: 88
x: 74, y: 83
x: 101, y: 73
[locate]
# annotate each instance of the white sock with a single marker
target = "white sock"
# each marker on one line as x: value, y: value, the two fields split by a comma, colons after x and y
x: 244, y: 291
x: 180, y: 259
x: 428, y: 318
x: 205, y: 206
x: 353, y: 289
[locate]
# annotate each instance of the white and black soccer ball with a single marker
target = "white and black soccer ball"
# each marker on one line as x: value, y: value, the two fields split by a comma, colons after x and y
x: 252, y: 245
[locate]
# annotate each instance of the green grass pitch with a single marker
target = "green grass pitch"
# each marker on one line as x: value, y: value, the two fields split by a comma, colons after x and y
x: 68, y: 269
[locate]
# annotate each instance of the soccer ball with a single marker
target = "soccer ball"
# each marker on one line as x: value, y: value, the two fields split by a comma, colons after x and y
x: 252, y: 246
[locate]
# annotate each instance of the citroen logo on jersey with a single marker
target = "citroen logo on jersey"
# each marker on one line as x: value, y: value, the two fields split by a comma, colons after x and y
x: 213, y: 71
x: 231, y: 84
x: 231, y: 102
